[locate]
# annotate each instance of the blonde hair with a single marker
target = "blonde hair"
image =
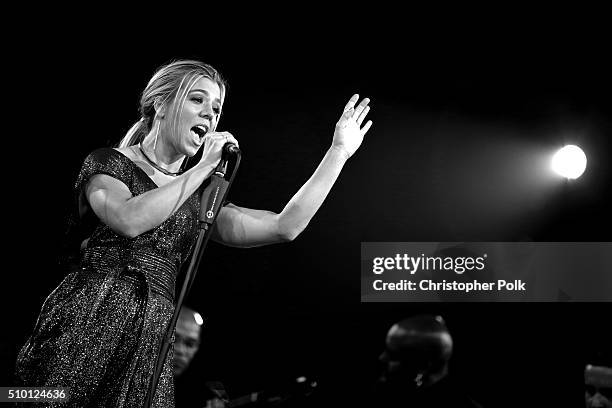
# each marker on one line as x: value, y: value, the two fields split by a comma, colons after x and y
x: 171, y: 82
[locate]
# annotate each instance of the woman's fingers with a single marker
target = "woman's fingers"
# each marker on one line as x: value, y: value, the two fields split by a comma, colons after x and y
x: 362, y: 115
x: 361, y: 107
x: 358, y: 113
x: 365, y: 129
x: 225, y: 137
x: 351, y: 103
x: 232, y: 139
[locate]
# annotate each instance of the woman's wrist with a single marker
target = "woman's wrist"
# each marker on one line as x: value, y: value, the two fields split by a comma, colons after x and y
x: 339, y: 152
x: 205, y: 167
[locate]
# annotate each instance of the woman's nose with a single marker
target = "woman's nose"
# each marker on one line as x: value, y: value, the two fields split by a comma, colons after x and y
x: 207, y: 111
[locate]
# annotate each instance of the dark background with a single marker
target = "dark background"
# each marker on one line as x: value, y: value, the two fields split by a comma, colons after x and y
x: 278, y: 312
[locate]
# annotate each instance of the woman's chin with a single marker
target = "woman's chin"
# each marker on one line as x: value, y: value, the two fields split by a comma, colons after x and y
x: 191, y: 150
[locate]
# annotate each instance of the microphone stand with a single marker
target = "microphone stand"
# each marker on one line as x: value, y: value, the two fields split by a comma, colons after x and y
x: 213, y: 197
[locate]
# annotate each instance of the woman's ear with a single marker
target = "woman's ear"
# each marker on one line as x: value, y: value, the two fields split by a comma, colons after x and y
x: 160, y: 110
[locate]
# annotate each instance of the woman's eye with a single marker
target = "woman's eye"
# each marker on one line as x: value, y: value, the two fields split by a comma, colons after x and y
x: 217, y: 110
x: 197, y: 99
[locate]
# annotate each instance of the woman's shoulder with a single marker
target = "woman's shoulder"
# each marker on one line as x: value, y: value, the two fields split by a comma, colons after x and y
x: 106, y: 160
x: 109, y: 157
x: 125, y: 151
x: 103, y: 154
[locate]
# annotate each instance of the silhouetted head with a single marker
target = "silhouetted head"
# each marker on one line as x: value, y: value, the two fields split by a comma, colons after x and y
x: 598, y: 382
x: 417, y: 351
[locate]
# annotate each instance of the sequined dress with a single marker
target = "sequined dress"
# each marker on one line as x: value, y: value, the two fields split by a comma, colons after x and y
x: 100, y: 331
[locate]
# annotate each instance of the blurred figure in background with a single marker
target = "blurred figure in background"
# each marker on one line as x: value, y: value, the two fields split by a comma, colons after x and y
x: 598, y: 382
x: 416, y: 372
x: 187, y: 338
x: 187, y: 341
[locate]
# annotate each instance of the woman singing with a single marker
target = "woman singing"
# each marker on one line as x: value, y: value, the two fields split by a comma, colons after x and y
x: 134, y: 223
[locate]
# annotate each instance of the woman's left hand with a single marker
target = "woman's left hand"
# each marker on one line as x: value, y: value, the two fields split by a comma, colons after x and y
x: 349, y: 133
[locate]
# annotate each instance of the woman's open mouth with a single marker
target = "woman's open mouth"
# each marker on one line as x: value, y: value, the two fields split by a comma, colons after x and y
x: 199, y: 131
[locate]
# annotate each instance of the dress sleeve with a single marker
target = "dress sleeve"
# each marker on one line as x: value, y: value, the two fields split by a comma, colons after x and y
x: 81, y: 221
x: 105, y: 161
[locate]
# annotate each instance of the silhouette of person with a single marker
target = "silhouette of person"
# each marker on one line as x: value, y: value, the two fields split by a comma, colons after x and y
x: 598, y: 383
x: 416, y: 366
x: 188, y: 336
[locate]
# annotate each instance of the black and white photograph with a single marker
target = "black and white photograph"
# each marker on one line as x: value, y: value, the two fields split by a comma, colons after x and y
x: 385, y: 216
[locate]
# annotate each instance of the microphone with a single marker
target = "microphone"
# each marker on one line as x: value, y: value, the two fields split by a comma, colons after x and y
x: 230, y: 149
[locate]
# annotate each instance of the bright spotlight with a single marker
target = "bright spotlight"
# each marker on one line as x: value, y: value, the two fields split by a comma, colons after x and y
x: 198, y: 318
x: 569, y: 162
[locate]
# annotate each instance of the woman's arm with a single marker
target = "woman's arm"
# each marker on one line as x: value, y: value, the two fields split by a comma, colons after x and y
x: 244, y: 227
x: 112, y: 201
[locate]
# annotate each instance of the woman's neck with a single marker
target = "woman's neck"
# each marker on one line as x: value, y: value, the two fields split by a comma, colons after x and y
x: 161, y: 152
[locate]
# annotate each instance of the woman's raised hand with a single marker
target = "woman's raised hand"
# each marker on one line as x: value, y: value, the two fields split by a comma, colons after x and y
x: 349, y: 132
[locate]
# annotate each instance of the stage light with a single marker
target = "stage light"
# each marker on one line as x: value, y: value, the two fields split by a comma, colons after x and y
x: 198, y: 318
x: 569, y: 162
